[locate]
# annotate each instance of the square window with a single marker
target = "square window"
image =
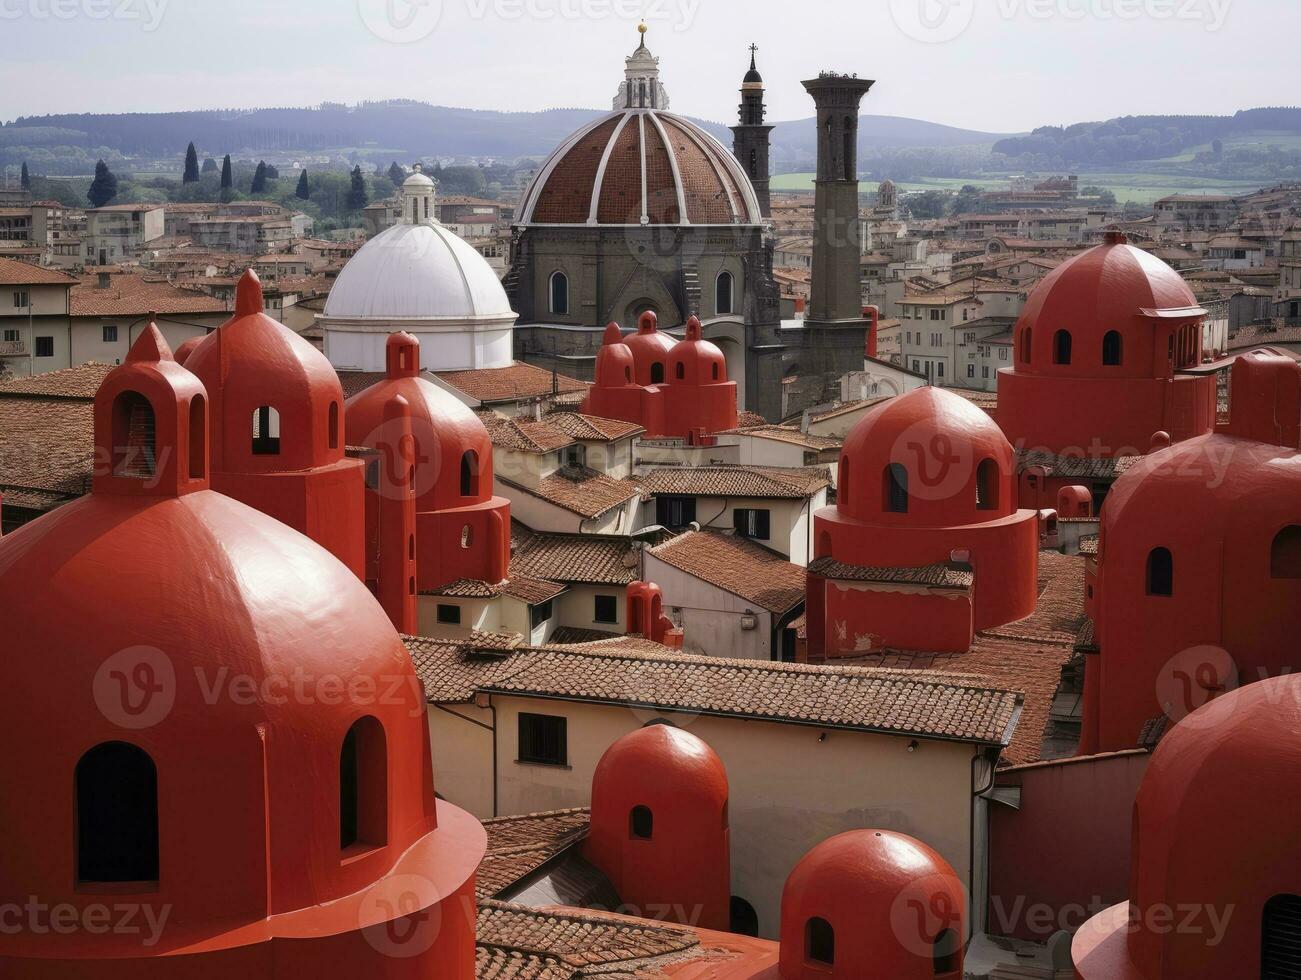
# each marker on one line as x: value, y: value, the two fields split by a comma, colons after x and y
x: 543, y: 740
x: 751, y: 522
x: 539, y: 614
x: 449, y: 614
x: 44, y: 346
x: 110, y: 333
x: 606, y: 609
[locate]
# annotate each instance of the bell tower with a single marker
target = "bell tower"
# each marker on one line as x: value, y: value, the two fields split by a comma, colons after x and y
x: 750, y: 137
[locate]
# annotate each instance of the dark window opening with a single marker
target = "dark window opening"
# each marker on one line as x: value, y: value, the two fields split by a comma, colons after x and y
x: 987, y: 485
x: 117, y: 815
x: 606, y: 609
x: 657, y: 373
x: 675, y: 511
x: 641, y: 823
x: 560, y: 293
x: 110, y: 333
x: 819, y: 942
x: 198, y: 437
x: 334, y: 425
x: 946, y: 952
x: 266, y: 431
x: 363, y: 785
x: 449, y: 614
x: 896, y: 489
x: 1160, y: 572
x: 680, y: 371
x: 751, y: 522
x: 44, y: 347
x: 543, y: 740
x: 714, y: 371
x: 470, y: 473
x: 133, y: 446
x: 1112, y: 348
x: 1280, y: 938
x: 1285, y: 553
x: 372, y: 475
x: 539, y: 614
x: 745, y: 920
x: 1062, y: 347
x: 1025, y: 345
x: 723, y: 293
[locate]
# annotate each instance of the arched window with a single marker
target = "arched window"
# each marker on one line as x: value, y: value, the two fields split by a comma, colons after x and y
x: 198, y: 437
x: 744, y: 919
x: 1062, y: 347
x: 334, y: 425
x: 1112, y: 348
x: 641, y: 823
x: 134, y: 453
x: 363, y: 785
x: 680, y: 371
x: 987, y: 485
x: 469, y: 473
x: 945, y: 952
x: 117, y: 815
x: 1025, y: 344
x: 1160, y: 572
x: 723, y: 293
x: 1285, y: 553
x: 754, y: 165
x: 266, y: 431
x: 713, y: 373
x: 895, y: 489
x: 560, y: 293
x: 627, y: 373
x: 848, y: 138
x: 657, y: 373
x: 819, y: 942
x: 1280, y: 937
x: 842, y: 481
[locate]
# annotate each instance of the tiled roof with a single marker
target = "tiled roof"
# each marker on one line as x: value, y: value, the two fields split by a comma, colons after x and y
x: 737, y: 481
x: 1075, y: 467
x: 46, y: 450
x: 15, y: 273
x: 493, y: 963
x: 465, y: 588
x: 844, y: 408
x: 531, y: 590
x: 578, y: 558
x: 518, y: 846
x: 1089, y: 544
x: 79, y: 382
x: 948, y: 575
x: 135, y: 295
x: 519, y: 381
x: 524, y: 435
x: 937, y: 705
x: 736, y: 565
x: 790, y: 434
x: 592, y: 427
x: 581, y: 490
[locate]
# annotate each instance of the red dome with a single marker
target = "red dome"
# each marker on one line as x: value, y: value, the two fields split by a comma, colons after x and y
x: 1214, y: 832
x: 938, y: 443
x: 1113, y: 287
x: 694, y: 361
x: 210, y: 665
x: 872, y: 905
x: 650, y: 350
x: 1231, y: 573
x: 659, y: 827
x: 187, y: 348
x: 614, y: 361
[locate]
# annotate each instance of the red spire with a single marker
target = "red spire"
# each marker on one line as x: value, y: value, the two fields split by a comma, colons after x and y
x: 646, y: 323
x: 248, y: 294
x: 693, y: 327
x: 612, y: 335
x: 150, y: 347
x: 402, y: 355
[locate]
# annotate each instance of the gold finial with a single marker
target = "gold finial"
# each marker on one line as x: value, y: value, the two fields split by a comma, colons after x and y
x: 642, y: 28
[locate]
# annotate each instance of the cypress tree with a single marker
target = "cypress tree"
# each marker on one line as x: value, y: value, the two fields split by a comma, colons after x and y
x: 302, y: 193
x: 25, y: 179
x: 227, y: 177
x: 191, y: 174
x: 104, y: 187
x: 259, y: 178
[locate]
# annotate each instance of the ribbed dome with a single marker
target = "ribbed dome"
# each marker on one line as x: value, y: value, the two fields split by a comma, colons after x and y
x: 417, y: 271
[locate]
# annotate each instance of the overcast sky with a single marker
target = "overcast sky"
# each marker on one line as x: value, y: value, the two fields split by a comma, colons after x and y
x: 993, y: 65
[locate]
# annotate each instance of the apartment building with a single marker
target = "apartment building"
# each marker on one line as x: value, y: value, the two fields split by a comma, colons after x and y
x: 114, y: 233
x: 33, y: 316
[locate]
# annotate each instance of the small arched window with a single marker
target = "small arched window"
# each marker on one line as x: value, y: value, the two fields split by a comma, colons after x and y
x: 1160, y: 572
x: 680, y: 371
x: 945, y: 952
x: 894, y: 488
x: 641, y: 823
x: 334, y: 425
x: 627, y: 373
x: 198, y: 437
x: 723, y: 293
x: 1062, y: 347
x: 1285, y: 553
x: 1112, y: 348
x: 744, y: 918
x: 117, y: 814
x: 134, y: 451
x: 1025, y: 344
x: 657, y: 373
x: 713, y: 373
x: 1280, y: 937
x: 559, y: 293
x: 987, y: 485
x: 469, y: 473
x: 266, y: 431
x: 363, y: 785
x: 819, y: 942
x: 842, y: 481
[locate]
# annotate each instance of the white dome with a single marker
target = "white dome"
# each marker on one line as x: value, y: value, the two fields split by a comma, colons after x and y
x: 417, y: 271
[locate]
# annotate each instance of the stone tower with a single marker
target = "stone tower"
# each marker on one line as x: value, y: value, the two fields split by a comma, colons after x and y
x: 835, y: 291
x: 750, y: 137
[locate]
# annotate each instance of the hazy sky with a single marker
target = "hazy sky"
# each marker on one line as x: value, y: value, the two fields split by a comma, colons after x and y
x: 994, y: 65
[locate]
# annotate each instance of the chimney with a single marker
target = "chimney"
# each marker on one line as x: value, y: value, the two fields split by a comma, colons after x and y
x: 873, y: 315
x: 102, y: 280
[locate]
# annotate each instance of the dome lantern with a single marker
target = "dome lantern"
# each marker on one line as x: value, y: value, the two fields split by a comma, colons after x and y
x: 418, y: 192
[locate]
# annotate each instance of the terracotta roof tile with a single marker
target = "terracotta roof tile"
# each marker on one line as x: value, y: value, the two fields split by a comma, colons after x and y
x: 736, y: 565
x: 524, y: 435
x: 581, y: 490
x: 592, y: 427
x: 579, y: 558
x: 77, y: 382
x: 790, y: 434
x: 136, y: 295
x: 1075, y: 467
x: 950, y: 575
x: 15, y: 273
x: 518, y: 846
x: 531, y: 590
x: 514, y: 383
x: 46, y: 450
x: 737, y: 481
